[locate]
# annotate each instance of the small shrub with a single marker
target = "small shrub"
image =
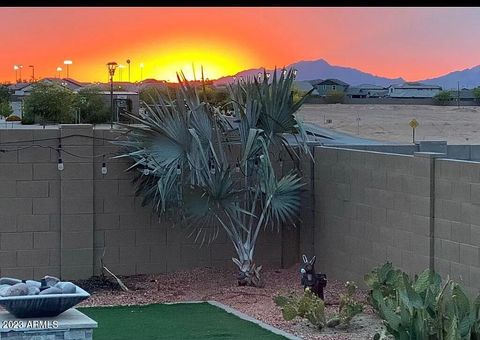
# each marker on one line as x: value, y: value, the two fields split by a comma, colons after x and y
x: 349, y: 307
x: 13, y: 118
x: 334, y: 97
x: 309, y: 306
x: 443, y: 97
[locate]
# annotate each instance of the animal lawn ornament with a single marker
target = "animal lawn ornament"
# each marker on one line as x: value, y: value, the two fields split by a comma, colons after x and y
x: 315, y: 282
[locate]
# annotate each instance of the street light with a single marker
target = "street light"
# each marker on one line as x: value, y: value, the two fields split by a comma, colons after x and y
x: 141, y: 71
x: 59, y: 69
x: 33, y: 72
x: 16, y: 68
x: 111, y: 71
x: 120, y: 71
x: 68, y: 62
x: 128, y: 62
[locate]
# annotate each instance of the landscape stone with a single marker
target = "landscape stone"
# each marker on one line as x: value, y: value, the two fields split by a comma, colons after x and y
x: 18, y: 289
x: 33, y: 283
x: 9, y: 281
x: 51, y: 280
x: 32, y: 290
x: 66, y: 287
x: 51, y: 290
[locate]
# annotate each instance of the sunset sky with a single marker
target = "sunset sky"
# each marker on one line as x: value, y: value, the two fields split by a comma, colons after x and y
x: 413, y: 43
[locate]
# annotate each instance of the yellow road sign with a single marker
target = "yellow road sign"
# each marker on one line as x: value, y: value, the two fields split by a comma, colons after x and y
x: 413, y: 123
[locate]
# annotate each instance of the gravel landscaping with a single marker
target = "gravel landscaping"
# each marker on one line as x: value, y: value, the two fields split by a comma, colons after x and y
x: 202, y: 284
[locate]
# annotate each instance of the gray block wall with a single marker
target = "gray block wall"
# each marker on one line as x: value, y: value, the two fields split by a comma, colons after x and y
x: 373, y: 207
x: 63, y: 223
x: 370, y: 207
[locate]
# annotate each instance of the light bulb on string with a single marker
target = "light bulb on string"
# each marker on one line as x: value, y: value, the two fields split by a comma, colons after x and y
x: 104, y: 168
x: 179, y: 170
x: 146, y: 171
x: 60, y: 166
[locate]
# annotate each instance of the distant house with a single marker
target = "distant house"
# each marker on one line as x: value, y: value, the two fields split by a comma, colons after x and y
x: 330, y: 85
x: 366, y: 91
x: 413, y: 90
x: 305, y: 86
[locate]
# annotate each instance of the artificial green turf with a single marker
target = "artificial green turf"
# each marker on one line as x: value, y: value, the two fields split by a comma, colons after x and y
x: 177, y: 321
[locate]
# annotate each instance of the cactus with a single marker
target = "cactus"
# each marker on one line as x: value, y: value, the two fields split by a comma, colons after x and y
x: 308, y: 306
x: 312, y: 308
x: 423, y: 308
x: 349, y: 307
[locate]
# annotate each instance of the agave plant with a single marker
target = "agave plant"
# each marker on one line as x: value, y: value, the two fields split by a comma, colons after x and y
x: 183, y: 148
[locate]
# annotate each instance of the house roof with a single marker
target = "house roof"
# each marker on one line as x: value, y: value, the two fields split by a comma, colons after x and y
x: 333, y: 82
x: 414, y: 85
x: 315, y: 81
x: 18, y: 86
x: 370, y: 87
x: 303, y: 85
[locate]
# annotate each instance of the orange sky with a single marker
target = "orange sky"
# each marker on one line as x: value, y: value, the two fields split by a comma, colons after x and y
x: 414, y: 43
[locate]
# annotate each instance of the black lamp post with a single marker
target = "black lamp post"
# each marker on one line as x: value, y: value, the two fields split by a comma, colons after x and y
x: 112, y: 66
x: 128, y: 63
x: 33, y: 72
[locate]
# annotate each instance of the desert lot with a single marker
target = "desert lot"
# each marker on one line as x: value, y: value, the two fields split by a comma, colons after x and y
x: 390, y: 122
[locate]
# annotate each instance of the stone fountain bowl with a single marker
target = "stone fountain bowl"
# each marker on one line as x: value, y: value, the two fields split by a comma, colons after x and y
x: 31, y: 306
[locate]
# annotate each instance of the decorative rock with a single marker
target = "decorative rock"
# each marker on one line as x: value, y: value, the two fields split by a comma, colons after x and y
x: 33, y: 283
x: 51, y: 280
x: 3, y: 289
x: 9, y: 281
x: 33, y: 290
x: 51, y: 290
x: 66, y: 287
x: 18, y: 289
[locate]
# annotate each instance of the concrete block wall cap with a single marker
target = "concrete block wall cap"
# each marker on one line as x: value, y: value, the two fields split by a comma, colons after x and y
x: 430, y: 154
x: 75, y: 126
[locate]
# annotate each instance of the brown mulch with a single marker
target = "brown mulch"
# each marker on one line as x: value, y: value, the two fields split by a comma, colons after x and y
x: 220, y: 285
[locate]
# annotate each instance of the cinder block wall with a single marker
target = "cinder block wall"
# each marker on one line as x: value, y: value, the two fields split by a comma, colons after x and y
x: 457, y: 221
x: 64, y: 222
x: 370, y: 207
x: 373, y: 207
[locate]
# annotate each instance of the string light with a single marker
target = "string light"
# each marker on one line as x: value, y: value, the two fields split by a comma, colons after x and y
x: 179, y: 170
x: 104, y: 166
x: 237, y: 167
x: 60, y: 166
x: 146, y: 171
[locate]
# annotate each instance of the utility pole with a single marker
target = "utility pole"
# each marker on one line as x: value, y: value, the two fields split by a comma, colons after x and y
x: 458, y: 94
x: 33, y: 72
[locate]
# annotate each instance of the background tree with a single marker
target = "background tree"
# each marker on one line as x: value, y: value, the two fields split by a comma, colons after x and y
x: 5, y: 109
x: 49, y: 102
x: 476, y: 93
x: 443, y: 98
x: 185, y: 161
x: 4, y: 93
x: 92, y: 106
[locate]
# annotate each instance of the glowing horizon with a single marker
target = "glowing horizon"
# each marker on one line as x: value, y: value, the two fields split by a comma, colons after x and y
x: 414, y: 43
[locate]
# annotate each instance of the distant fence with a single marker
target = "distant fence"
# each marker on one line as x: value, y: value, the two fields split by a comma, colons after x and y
x: 392, y: 101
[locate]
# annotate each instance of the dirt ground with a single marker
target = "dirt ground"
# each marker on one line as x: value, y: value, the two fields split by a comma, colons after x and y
x: 202, y: 284
x: 390, y: 122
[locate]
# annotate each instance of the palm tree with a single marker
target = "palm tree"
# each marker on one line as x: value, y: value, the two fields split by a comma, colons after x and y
x: 183, y: 151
